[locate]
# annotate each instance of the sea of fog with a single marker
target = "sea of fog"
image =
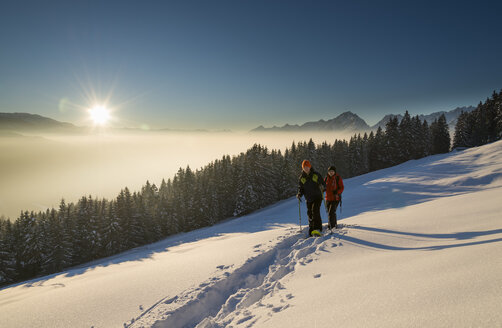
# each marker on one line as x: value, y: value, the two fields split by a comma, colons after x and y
x: 36, y: 172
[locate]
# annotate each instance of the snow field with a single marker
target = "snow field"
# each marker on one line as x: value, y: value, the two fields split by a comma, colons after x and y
x: 445, y: 272
x: 419, y: 246
x: 232, y: 294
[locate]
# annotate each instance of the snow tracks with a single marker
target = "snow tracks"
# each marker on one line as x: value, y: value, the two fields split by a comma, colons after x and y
x: 225, y: 298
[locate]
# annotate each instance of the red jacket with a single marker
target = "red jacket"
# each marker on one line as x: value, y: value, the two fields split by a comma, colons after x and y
x: 334, y: 187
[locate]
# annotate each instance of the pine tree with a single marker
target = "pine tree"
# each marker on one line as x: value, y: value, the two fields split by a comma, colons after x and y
x: 463, y: 131
x: 54, y: 244
x: 406, y: 139
x: 189, y: 201
x: 287, y: 176
x: 67, y: 221
x: 111, y: 241
x: 164, y: 211
x: 81, y: 234
x: 29, y: 246
x: 124, y: 212
x: 498, y: 118
x: 341, y: 157
x: 392, y: 151
x: 440, y: 136
x: 374, y: 150
x: 7, y: 260
x: 491, y: 117
x: 224, y: 188
x: 420, y: 143
x: 247, y: 198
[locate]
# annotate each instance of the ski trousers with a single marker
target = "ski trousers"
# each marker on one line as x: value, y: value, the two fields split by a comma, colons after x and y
x: 314, y: 214
x: 332, y: 205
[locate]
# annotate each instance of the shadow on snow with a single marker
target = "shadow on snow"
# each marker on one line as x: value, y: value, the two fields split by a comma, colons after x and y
x: 452, y: 236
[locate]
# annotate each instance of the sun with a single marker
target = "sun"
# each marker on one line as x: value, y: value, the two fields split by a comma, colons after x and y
x: 99, y: 115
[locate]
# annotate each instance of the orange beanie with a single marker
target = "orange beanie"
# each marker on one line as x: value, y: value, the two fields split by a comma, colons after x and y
x: 306, y: 163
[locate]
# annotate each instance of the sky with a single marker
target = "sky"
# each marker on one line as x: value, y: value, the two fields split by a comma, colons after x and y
x: 239, y: 64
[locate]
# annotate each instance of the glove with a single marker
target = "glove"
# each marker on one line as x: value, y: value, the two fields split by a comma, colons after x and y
x: 299, y: 197
x: 337, y: 197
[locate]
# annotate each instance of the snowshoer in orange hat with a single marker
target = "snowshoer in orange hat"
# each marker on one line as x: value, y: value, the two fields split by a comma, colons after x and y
x: 311, y: 186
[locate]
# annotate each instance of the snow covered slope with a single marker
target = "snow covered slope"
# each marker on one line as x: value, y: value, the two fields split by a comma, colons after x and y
x: 420, y: 245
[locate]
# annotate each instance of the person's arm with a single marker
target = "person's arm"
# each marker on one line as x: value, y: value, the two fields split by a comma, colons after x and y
x: 340, y: 186
x: 300, y: 191
x: 323, y: 183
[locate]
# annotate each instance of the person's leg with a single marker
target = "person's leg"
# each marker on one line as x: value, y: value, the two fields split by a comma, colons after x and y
x: 310, y: 206
x: 331, y: 213
x: 335, y: 206
x: 316, y: 215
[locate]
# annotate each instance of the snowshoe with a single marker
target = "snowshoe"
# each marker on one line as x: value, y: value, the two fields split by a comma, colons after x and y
x: 315, y: 233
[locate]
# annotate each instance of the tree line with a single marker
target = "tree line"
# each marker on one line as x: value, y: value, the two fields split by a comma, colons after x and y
x: 47, y: 242
x: 481, y: 126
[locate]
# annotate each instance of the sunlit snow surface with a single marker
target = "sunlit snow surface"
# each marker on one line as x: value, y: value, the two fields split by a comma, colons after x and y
x: 420, y: 245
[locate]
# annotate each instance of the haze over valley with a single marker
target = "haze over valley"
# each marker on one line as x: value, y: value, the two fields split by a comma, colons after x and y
x: 38, y: 171
x: 44, y: 160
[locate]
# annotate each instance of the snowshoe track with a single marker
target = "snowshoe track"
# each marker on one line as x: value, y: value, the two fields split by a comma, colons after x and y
x: 223, y: 300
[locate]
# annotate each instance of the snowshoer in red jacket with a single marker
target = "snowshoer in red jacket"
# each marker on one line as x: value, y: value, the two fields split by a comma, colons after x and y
x: 334, y: 189
x: 311, y: 185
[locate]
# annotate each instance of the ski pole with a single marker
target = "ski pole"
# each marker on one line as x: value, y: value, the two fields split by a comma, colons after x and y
x: 324, y: 203
x: 340, y: 208
x: 340, y: 205
x: 327, y: 212
x: 300, y: 213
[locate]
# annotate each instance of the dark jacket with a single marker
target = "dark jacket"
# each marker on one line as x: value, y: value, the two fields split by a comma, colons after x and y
x: 310, y: 186
x: 334, y: 187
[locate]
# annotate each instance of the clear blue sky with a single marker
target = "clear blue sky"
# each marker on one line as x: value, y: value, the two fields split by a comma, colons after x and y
x: 238, y: 64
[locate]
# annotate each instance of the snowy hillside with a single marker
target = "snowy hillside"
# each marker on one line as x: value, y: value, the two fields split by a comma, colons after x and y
x: 420, y: 246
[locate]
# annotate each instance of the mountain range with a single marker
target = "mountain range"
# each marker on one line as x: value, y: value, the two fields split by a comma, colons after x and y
x: 24, y: 122
x: 451, y: 117
x: 12, y: 123
x: 350, y: 122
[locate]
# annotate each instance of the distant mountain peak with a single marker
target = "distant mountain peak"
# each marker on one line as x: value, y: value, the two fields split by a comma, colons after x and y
x: 346, y: 121
x: 451, y: 117
x: 35, y: 122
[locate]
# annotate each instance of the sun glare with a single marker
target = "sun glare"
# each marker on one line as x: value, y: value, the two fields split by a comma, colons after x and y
x: 99, y: 115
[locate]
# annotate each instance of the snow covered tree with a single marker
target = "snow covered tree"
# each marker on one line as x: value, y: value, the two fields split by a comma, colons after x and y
x: 463, y: 131
x: 358, y: 156
x: 247, y: 197
x: 82, y: 231
x: 341, y: 157
x: 57, y: 243
x: 421, y: 142
x: 125, y: 212
x: 111, y: 239
x: 498, y: 118
x: 7, y: 259
x: 392, y: 150
x: 407, y: 140
x: 288, y: 177
x: 29, y: 246
x: 440, y: 136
